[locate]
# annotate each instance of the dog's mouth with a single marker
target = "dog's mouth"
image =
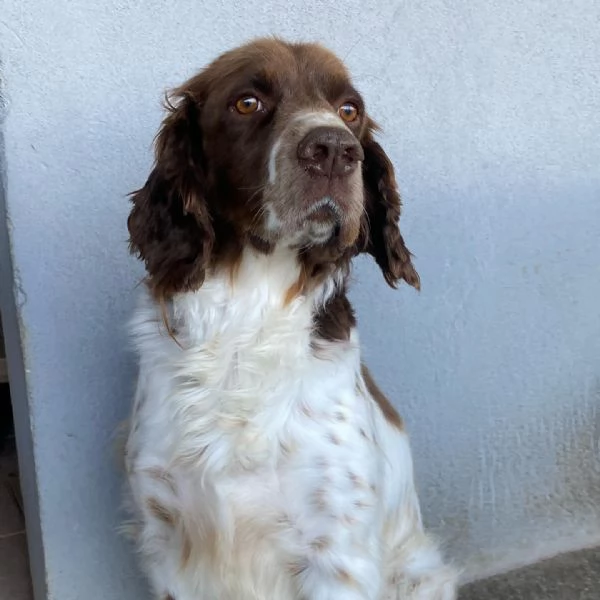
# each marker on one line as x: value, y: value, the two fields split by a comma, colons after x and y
x: 323, y: 220
x: 324, y: 211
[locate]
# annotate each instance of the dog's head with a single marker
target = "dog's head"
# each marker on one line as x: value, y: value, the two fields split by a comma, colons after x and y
x: 270, y: 144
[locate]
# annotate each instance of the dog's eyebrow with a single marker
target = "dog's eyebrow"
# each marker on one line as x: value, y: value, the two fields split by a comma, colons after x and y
x: 351, y: 93
x: 262, y: 84
x: 340, y: 90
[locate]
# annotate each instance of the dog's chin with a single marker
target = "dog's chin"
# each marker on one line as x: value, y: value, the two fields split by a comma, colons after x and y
x: 320, y: 233
x: 326, y: 222
x: 322, y: 222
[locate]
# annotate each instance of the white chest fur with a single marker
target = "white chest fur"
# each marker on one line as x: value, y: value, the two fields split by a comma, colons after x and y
x: 258, y: 467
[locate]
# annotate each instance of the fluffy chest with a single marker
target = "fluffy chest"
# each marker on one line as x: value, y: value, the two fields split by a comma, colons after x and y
x: 261, y: 398
x: 300, y: 463
x: 260, y: 444
x: 250, y: 405
x: 247, y: 381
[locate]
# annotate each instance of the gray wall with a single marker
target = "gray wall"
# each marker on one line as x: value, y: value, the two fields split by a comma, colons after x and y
x: 490, y: 111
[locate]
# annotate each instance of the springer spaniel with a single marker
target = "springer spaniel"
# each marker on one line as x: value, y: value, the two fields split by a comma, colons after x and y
x: 262, y: 460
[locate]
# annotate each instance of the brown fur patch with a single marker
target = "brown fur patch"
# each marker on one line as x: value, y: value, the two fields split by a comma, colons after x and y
x: 321, y: 543
x: 348, y: 520
x: 340, y: 416
x: 334, y: 439
x: 335, y: 320
x: 161, y: 476
x: 296, y: 289
x: 160, y: 512
x: 343, y: 576
x: 186, y: 549
x: 389, y: 412
x: 297, y: 568
x: 306, y: 411
x: 357, y: 481
x: 319, y: 500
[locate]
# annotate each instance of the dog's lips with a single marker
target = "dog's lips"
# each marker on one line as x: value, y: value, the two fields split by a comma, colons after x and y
x: 325, y: 210
x: 323, y: 215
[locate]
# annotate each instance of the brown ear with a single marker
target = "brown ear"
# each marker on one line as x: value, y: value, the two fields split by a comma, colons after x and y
x: 381, y: 233
x: 170, y: 226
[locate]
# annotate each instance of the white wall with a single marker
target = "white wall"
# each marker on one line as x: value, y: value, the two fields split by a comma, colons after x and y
x: 490, y: 110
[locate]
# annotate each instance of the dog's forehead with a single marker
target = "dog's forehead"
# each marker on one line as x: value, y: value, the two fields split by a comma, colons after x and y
x: 281, y: 64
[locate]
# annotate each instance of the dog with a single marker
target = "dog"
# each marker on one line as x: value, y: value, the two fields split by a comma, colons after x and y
x: 263, y: 462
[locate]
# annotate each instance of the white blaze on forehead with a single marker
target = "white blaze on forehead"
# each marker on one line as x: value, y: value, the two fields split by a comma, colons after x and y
x: 318, y: 118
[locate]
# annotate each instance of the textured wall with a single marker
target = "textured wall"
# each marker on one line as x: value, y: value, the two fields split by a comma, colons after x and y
x: 490, y: 110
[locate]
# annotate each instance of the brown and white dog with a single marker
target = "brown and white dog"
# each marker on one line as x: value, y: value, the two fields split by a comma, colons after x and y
x: 262, y: 460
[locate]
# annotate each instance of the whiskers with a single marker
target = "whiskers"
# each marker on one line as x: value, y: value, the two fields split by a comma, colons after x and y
x: 259, y: 215
x: 257, y: 189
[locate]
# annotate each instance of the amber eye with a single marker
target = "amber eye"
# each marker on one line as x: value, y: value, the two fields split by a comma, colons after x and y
x: 248, y: 105
x: 348, y: 112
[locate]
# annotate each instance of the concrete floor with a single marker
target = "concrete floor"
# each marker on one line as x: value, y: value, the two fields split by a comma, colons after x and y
x: 574, y: 576
x: 15, y: 583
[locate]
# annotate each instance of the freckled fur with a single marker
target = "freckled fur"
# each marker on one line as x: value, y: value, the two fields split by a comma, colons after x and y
x: 262, y: 461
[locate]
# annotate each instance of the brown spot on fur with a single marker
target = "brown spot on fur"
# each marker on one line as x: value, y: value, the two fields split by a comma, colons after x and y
x: 340, y: 416
x: 161, y: 476
x: 344, y: 577
x: 296, y: 289
x: 171, y: 331
x: 186, y: 549
x: 322, y: 463
x: 335, y: 320
x: 320, y: 500
x: 334, y: 439
x: 321, y: 543
x: 287, y: 448
x: 357, y: 482
x: 160, y: 512
x: 389, y: 412
x: 306, y: 411
x: 297, y: 568
x: 348, y: 520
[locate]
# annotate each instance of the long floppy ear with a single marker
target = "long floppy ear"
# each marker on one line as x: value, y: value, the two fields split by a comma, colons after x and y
x: 169, y: 225
x: 381, y: 235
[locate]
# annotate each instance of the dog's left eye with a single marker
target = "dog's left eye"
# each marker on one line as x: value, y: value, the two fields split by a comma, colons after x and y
x: 246, y: 105
x: 348, y: 111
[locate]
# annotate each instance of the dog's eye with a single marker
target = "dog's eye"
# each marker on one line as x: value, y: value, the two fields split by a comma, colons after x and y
x: 247, y: 105
x: 349, y: 112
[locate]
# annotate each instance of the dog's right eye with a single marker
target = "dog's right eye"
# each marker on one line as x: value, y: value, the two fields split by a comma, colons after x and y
x: 349, y: 112
x: 246, y: 105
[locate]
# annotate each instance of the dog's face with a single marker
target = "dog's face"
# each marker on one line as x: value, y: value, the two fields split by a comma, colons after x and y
x: 270, y: 144
x: 282, y: 128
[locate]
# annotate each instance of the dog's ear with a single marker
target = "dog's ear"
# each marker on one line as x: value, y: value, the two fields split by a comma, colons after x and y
x: 380, y: 232
x: 170, y: 225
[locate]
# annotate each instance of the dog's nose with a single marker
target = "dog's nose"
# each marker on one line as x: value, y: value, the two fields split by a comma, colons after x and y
x: 330, y: 152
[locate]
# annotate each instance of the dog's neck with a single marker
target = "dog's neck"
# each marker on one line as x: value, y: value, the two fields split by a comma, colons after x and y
x: 266, y: 296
